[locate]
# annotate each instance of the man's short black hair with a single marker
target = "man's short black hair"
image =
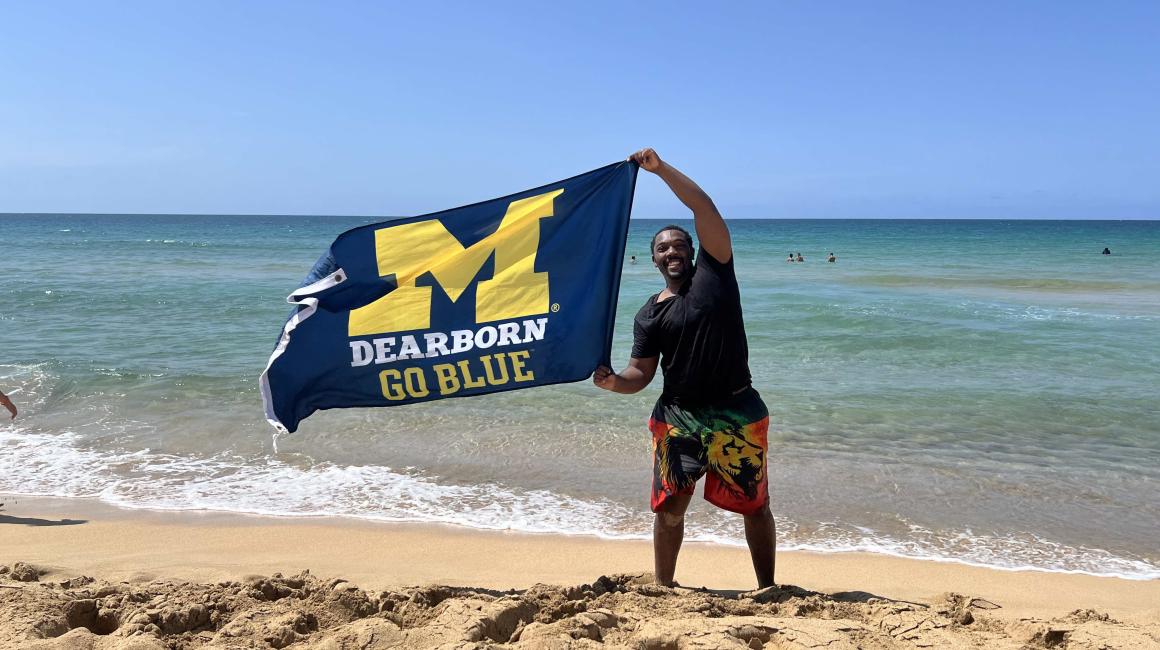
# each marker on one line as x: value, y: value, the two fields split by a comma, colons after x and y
x: 671, y: 226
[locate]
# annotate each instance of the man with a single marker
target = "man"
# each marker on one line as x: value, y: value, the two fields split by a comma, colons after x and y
x: 708, y: 420
x: 7, y: 403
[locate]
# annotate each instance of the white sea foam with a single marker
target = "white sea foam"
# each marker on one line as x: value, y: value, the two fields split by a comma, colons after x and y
x: 58, y: 465
x: 1039, y: 313
x: 37, y: 464
x: 196, y: 244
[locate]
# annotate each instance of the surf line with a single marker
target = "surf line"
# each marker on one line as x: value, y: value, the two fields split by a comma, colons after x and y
x: 495, y: 369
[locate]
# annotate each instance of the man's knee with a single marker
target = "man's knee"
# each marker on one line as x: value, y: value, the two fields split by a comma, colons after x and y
x: 670, y: 519
x: 761, y: 513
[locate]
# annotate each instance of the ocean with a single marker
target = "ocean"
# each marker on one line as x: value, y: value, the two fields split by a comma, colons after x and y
x: 983, y: 392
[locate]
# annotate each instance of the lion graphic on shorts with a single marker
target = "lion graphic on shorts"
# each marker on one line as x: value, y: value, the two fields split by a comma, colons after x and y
x: 736, y: 460
x: 678, y: 460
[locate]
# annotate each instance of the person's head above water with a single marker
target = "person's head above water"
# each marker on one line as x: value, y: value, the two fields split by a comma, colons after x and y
x: 672, y: 253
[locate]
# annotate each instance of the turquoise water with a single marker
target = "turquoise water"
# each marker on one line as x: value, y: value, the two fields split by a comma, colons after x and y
x: 976, y: 391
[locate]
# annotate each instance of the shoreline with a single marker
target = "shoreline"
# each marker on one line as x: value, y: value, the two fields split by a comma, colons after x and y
x: 132, y: 545
x: 65, y: 504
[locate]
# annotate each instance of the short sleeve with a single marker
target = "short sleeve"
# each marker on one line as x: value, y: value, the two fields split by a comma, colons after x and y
x: 644, y: 344
x: 713, y: 279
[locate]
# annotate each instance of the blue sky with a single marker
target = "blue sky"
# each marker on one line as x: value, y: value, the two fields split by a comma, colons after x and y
x: 798, y: 109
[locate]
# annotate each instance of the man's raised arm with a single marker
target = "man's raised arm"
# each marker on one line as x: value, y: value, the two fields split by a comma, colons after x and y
x: 711, y: 229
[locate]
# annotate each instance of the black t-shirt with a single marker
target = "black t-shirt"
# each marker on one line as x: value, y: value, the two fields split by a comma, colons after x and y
x: 699, y: 335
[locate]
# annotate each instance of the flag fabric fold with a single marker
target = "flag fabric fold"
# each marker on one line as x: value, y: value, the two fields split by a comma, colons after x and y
x: 505, y: 294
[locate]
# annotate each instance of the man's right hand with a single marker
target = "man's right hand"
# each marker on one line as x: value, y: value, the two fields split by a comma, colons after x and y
x: 604, y: 377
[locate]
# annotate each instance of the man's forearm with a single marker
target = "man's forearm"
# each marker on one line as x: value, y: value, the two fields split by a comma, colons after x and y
x: 629, y: 381
x: 686, y: 190
x: 7, y: 403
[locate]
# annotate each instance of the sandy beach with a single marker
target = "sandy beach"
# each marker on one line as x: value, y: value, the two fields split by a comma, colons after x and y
x: 79, y: 574
x: 388, y: 325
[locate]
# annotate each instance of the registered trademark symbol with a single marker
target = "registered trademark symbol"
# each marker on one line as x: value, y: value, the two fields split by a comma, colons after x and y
x: 555, y: 306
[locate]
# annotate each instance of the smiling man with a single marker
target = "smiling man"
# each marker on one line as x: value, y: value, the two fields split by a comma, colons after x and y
x: 708, y: 420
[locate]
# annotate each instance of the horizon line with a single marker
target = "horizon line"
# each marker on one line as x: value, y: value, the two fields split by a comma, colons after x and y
x: 633, y: 218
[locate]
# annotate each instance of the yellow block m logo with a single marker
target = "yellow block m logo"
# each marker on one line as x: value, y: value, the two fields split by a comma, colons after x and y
x: 410, y: 250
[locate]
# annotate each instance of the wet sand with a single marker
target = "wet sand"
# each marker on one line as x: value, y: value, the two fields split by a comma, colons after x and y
x: 165, y: 558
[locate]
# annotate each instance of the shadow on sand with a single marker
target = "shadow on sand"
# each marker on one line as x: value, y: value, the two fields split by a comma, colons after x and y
x: 783, y: 593
x: 31, y: 521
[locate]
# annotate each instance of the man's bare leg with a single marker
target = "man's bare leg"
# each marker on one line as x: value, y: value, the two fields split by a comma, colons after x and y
x: 761, y: 535
x: 668, y: 533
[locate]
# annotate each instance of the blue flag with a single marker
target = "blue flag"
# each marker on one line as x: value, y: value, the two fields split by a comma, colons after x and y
x: 509, y: 293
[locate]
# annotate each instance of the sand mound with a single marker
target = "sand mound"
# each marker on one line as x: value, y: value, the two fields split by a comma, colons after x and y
x: 620, y: 611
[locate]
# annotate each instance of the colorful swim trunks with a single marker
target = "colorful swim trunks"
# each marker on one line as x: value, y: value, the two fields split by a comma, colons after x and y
x: 726, y: 441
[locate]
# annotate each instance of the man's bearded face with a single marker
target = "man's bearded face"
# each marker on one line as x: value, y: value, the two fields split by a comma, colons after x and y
x: 673, y: 254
